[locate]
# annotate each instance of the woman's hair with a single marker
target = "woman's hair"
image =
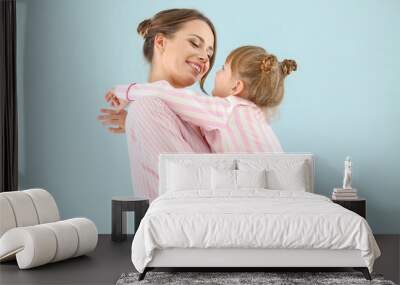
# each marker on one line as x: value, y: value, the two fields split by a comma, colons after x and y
x: 263, y: 75
x: 168, y: 22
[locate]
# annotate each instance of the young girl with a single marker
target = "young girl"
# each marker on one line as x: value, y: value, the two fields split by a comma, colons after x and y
x: 250, y: 83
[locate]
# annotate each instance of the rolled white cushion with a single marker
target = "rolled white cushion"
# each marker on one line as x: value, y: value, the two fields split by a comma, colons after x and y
x: 40, y: 244
x: 33, y: 246
x: 26, y: 208
x: 23, y: 208
x: 87, y: 234
x: 67, y: 239
x: 7, y: 219
x: 46, y: 207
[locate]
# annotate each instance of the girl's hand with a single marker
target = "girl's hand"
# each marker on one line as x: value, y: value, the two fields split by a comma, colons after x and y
x: 118, y: 103
x: 113, y: 117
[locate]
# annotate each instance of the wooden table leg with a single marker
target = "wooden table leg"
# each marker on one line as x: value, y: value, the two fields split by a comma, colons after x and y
x: 118, y: 220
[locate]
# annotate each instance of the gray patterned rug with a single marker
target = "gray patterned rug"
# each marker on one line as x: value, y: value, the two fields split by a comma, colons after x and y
x: 242, y: 278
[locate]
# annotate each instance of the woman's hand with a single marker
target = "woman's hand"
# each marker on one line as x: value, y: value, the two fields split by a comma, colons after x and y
x: 113, y: 117
x: 118, y: 103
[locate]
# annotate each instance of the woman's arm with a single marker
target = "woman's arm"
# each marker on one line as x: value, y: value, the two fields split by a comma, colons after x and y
x: 206, y: 112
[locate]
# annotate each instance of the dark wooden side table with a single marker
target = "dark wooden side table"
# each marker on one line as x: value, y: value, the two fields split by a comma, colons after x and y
x: 121, y: 205
x: 358, y: 206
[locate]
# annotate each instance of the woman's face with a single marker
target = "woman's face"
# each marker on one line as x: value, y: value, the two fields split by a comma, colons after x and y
x: 185, y: 57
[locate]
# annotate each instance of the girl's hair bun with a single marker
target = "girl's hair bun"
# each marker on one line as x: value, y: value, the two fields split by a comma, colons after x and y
x: 268, y: 63
x: 143, y: 28
x: 288, y: 65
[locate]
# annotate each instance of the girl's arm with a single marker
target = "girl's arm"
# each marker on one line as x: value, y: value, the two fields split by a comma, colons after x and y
x: 206, y: 112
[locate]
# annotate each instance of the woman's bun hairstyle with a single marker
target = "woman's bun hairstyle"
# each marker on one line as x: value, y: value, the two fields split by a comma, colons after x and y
x: 143, y: 28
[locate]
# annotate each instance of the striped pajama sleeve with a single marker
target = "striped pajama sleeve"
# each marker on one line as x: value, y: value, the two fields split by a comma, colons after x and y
x: 230, y: 124
x: 209, y: 113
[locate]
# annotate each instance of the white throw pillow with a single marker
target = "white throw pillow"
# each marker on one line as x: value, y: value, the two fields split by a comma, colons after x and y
x: 223, y: 179
x: 184, y: 177
x: 288, y: 178
x: 282, y: 174
x: 251, y: 178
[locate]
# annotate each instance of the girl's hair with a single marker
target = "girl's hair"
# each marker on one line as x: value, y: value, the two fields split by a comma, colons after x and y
x: 263, y: 75
x: 168, y: 22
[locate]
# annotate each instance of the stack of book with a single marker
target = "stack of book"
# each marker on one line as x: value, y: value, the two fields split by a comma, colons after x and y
x: 344, y: 194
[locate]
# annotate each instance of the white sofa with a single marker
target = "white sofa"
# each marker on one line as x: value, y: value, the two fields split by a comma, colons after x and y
x: 31, y: 231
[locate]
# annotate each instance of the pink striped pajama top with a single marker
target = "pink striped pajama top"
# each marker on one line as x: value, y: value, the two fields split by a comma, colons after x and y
x: 229, y: 124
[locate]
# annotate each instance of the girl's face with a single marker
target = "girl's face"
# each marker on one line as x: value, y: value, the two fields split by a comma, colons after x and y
x: 185, y: 57
x: 224, y: 82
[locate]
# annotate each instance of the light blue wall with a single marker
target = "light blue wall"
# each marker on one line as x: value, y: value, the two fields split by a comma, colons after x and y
x: 343, y: 100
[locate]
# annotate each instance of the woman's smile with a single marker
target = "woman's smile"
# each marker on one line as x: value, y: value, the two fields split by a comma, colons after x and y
x: 195, y: 67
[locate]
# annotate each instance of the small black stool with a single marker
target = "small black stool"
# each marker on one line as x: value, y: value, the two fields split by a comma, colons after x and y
x: 121, y: 205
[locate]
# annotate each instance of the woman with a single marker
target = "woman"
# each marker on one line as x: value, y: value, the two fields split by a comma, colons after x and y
x: 167, y: 23
x: 180, y: 46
